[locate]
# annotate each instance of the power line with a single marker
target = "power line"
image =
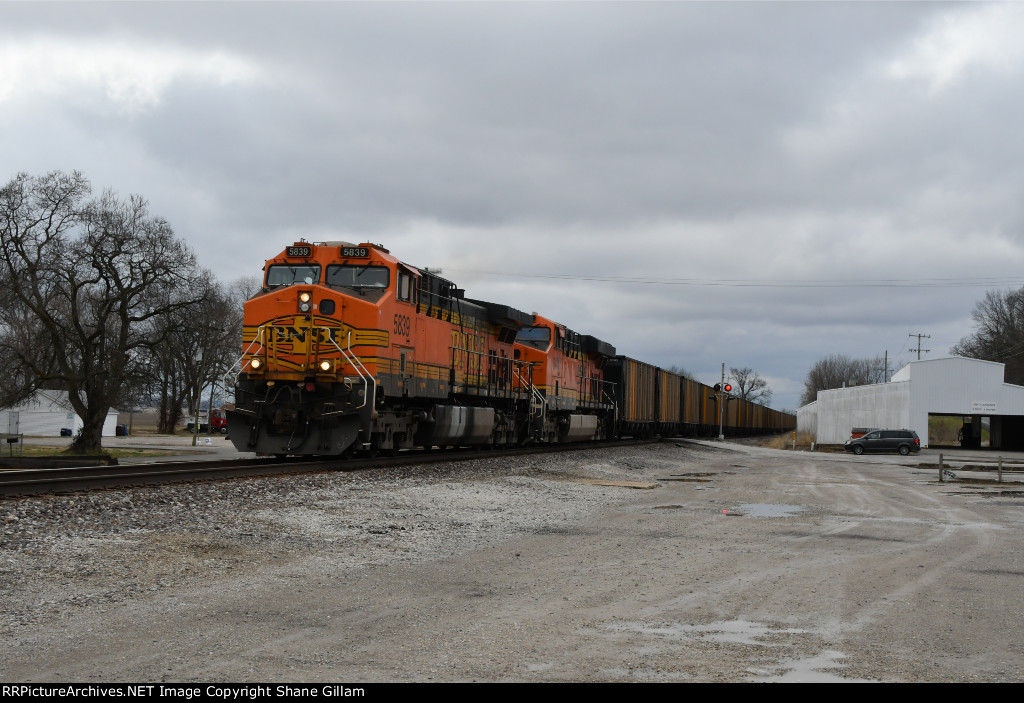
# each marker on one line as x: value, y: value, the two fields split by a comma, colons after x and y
x: 919, y: 349
x: 767, y: 283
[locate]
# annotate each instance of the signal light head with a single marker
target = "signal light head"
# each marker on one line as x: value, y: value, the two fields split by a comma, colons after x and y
x: 304, y: 300
x: 728, y: 388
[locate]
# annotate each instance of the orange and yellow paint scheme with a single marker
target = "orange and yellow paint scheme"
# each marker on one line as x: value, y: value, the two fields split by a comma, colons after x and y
x: 346, y: 347
x: 567, y: 372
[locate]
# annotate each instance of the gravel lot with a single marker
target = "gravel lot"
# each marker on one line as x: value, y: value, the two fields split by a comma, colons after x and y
x: 742, y: 564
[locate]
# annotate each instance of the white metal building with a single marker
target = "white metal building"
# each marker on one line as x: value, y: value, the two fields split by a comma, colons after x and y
x: 956, y: 386
x: 46, y: 414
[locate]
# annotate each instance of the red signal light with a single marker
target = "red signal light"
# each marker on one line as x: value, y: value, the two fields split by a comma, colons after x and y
x: 728, y: 388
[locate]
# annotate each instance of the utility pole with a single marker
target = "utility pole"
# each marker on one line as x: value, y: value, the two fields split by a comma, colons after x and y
x: 919, y: 349
x: 199, y: 392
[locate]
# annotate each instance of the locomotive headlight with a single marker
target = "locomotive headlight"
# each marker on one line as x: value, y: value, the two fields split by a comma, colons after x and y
x: 255, y: 364
x: 304, y: 299
x: 325, y: 366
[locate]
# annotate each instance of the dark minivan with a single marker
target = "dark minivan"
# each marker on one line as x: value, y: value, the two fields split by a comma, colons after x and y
x: 902, y: 441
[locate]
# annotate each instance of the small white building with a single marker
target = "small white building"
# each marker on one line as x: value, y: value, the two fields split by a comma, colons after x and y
x: 953, y: 386
x: 46, y: 414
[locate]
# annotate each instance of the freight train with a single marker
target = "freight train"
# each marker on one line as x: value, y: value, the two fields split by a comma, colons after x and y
x: 347, y: 349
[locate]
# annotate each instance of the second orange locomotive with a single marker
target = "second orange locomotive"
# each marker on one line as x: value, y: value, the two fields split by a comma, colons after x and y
x: 348, y: 348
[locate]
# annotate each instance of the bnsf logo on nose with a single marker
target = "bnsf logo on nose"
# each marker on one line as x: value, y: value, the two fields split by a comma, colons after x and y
x: 296, y: 334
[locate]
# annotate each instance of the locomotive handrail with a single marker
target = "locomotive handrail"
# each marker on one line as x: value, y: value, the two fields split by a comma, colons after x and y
x: 238, y: 362
x: 360, y: 369
x: 504, y: 385
x: 593, y: 388
x: 536, y: 394
x: 613, y: 402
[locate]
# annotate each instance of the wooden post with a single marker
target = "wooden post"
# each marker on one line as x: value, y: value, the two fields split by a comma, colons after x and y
x: 1000, y: 480
x: 940, y: 467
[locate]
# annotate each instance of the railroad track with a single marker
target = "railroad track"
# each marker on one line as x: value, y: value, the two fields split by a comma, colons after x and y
x: 30, y: 482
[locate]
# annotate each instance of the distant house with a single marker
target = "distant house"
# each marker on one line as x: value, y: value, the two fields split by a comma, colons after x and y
x: 46, y: 414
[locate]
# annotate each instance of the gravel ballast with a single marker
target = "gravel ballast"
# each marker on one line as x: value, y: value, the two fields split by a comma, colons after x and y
x: 520, y: 569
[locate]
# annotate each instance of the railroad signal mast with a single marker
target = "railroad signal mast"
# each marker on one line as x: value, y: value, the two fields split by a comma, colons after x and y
x: 723, y: 394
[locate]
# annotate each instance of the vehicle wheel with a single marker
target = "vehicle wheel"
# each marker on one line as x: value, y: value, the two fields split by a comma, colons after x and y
x: 858, y: 449
x: 224, y: 430
x: 904, y: 450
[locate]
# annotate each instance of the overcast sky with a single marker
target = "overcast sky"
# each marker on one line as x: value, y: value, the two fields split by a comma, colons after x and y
x: 760, y: 184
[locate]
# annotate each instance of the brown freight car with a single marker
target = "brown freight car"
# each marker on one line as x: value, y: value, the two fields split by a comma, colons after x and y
x: 652, y: 401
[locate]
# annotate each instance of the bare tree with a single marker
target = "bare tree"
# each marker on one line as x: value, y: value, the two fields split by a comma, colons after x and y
x: 81, y: 281
x: 999, y: 319
x: 172, y: 365
x: 838, y: 370
x: 201, y: 342
x: 750, y: 386
x: 679, y: 371
x: 241, y: 289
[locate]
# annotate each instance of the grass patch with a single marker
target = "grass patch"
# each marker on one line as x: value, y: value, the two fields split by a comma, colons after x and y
x: 37, y: 450
x: 804, y: 440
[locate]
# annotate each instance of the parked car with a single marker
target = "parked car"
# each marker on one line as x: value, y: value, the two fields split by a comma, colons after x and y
x: 902, y: 441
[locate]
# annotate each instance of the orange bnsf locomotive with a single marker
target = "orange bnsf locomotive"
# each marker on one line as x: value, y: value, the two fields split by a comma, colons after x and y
x: 347, y: 348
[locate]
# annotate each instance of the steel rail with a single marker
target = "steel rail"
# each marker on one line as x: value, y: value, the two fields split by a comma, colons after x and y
x: 30, y: 482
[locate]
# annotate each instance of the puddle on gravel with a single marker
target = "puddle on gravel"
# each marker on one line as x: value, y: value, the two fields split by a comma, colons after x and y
x: 807, y: 670
x: 769, y: 510
x: 734, y: 631
x: 643, y: 674
x: 818, y: 668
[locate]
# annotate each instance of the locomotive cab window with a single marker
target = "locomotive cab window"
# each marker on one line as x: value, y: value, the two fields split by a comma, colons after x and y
x: 404, y: 286
x: 290, y: 274
x: 347, y: 276
x: 536, y: 337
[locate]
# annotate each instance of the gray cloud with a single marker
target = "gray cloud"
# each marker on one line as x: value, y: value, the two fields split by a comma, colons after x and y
x: 733, y: 143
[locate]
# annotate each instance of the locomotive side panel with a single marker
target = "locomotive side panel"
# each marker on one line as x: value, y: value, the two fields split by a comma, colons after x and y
x: 567, y: 367
x: 567, y: 379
